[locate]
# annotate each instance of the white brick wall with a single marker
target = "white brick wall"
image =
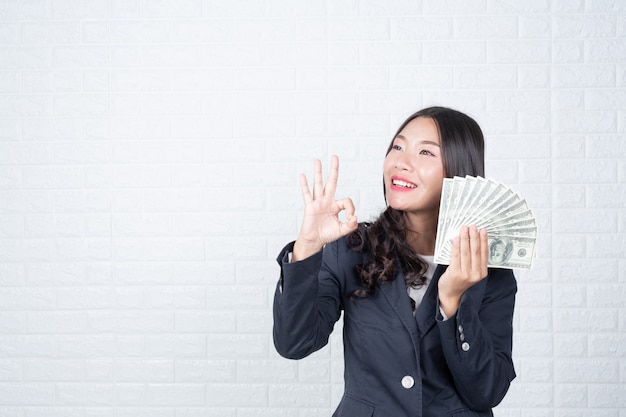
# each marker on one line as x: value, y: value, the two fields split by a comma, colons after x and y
x: 148, y: 159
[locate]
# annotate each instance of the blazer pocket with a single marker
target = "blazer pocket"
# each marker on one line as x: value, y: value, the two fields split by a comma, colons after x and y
x: 352, y: 407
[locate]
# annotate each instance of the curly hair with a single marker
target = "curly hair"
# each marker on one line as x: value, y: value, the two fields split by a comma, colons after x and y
x: 384, y: 241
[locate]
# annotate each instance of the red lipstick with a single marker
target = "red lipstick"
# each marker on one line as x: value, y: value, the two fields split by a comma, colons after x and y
x: 401, y: 184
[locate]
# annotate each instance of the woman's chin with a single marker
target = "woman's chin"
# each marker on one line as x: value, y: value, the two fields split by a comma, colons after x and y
x: 398, y: 204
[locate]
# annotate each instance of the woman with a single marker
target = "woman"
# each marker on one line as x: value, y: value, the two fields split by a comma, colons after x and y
x: 419, y: 339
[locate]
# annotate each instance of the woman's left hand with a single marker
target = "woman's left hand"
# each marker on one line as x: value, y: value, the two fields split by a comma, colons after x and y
x: 468, y: 266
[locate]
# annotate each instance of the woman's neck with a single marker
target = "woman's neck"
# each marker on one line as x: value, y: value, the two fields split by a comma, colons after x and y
x: 421, y: 233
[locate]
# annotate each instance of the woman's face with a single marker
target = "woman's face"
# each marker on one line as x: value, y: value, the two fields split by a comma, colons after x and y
x: 413, y: 168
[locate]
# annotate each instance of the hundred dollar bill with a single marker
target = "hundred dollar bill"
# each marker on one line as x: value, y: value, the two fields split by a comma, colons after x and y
x: 511, y: 252
x: 512, y: 208
x: 504, y: 252
x: 494, y: 203
x: 500, y: 221
x: 491, y: 193
x: 443, y: 211
x: 455, y: 199
x: 510, y: 223
x: 449, y: 196
x: 514, y: 224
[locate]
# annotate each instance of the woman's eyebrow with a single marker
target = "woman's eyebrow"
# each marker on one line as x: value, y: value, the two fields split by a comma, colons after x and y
x: 423, y: 142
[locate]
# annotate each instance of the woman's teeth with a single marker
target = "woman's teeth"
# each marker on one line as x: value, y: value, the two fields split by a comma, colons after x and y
x: 400, y: 183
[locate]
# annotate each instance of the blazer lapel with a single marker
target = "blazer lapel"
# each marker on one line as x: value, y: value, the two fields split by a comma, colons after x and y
x: 427, y: 310
x: 396, y: 294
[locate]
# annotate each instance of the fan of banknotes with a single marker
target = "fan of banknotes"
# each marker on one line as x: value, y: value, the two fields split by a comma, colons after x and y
x: 510, y: 224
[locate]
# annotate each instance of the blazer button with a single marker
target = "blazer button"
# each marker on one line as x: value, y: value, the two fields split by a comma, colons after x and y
x: 465, y: 346
x: 408, y: 382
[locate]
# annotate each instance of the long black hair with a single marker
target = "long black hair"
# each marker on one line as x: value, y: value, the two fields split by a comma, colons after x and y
x: 384, y: 240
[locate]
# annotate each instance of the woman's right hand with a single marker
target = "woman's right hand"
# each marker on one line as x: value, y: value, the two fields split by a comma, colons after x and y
x: 321, y: 223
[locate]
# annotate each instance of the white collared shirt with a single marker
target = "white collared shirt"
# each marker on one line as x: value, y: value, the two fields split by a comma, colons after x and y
x: 417, y: 294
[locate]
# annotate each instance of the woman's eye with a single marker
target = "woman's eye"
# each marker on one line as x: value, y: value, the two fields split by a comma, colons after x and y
x: 426, y: 152
x: 397, y: 147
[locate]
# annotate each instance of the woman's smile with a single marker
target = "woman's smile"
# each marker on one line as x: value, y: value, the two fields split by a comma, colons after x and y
x: 399, y: 183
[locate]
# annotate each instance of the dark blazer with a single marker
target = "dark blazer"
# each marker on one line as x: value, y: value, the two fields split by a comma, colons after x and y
x: 398, y: 364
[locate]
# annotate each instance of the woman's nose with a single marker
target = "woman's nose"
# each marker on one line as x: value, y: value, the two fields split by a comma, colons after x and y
x: 403, y: 163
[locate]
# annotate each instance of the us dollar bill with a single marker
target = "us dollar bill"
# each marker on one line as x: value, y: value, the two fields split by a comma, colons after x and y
x: 511, y: 226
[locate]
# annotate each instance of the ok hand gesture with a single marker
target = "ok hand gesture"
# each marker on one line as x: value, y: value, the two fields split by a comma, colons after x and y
x: 321, y: 223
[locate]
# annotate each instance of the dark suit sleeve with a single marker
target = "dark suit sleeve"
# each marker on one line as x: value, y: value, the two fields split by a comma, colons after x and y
x: 307, y: 303
x: 477, y: 341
